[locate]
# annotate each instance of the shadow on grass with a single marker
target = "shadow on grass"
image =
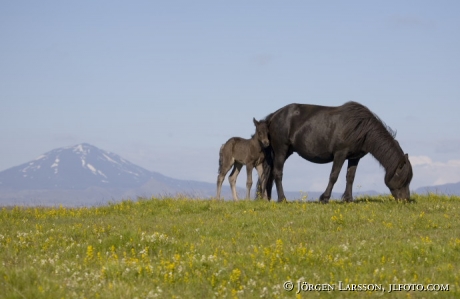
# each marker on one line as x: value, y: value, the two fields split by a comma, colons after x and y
x: 359, y: 200
x: 365, y: 199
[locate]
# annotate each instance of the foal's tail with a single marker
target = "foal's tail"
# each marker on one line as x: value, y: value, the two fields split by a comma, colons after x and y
x: 220, y: 158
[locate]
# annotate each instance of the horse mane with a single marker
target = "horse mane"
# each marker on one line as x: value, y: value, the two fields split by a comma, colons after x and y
x: 361, y: 115
x: 268, y: 118
x: 363, y: 125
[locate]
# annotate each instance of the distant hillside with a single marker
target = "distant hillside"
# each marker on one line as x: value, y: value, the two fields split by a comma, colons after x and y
x: 84, y: 175
x: 448, y: 189
x: 78, y: 167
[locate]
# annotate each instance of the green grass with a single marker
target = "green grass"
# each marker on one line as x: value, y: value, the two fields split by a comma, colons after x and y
x: 188, y: 248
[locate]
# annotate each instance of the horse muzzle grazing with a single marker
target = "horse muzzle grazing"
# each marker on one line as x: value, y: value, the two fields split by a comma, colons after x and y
x: 401, y: 194
x: 399, y: 180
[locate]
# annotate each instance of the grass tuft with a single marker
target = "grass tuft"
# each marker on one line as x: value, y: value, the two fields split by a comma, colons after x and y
x: 192, y: 248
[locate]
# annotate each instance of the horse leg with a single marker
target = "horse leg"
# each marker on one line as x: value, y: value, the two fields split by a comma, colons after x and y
x: 267, y: 173
x: 225, y: 167
x: 261, y: 191
x: 232, y: 178
x: 278, y: 165
x: 269, y: 186
x: 339, y: 158
x: 248, y: 181
x: 351, y: 170
x: 265, y: 181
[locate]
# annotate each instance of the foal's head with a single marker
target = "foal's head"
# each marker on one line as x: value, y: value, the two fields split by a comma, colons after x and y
x: 262, y: 132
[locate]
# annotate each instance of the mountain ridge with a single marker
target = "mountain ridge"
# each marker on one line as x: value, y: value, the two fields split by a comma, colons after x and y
x: 69, y: 168
x: 448, y: 189
x: 83, y: 174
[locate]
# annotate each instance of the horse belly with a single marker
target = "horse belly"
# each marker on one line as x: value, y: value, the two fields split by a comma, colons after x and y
x: 313, y: 146
x: 320, y: 158
x: 244, y: 154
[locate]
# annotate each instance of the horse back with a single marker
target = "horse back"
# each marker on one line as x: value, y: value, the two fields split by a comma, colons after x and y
x: 287, y: 121
x: 243, y: 150
x: 315, y: 132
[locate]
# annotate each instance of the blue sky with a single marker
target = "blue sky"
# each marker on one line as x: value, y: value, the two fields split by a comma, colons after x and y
x: 164, y: 84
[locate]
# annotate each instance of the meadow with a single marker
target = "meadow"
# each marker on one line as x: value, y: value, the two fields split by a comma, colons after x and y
x: 191, y: 248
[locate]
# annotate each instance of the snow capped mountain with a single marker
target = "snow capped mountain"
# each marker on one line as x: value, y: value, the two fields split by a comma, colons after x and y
x: 86, y: 175
x: 75, y: 167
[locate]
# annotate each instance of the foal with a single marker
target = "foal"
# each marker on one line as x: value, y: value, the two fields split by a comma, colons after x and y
x: 237, y: 152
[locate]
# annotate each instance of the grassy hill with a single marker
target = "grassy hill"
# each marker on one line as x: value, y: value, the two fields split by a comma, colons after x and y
x: 188, y: 248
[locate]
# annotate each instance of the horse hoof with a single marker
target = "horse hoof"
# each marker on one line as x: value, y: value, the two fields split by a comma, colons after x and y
x: 323, y: 199
x: 347, y: 199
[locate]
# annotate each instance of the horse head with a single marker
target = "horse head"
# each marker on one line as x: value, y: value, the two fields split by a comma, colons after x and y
x: 262, y: 132
x: 398, y: 181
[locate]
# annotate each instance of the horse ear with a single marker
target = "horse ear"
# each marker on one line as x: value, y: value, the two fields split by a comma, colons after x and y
x: 403, y: 161
x: 255, y: 121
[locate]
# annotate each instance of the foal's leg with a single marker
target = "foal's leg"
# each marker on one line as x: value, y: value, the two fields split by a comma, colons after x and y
x: 339, y: 158
x: 225, y: 167
x: 232, y: 178
x: 248, y: 180
x: 261, y: 191
x: 351, y: 170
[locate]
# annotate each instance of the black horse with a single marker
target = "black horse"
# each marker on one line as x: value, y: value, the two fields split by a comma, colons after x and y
x: 323, y: 134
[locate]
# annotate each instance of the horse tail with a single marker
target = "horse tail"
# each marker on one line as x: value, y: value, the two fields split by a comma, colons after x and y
x: 220, y: 158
